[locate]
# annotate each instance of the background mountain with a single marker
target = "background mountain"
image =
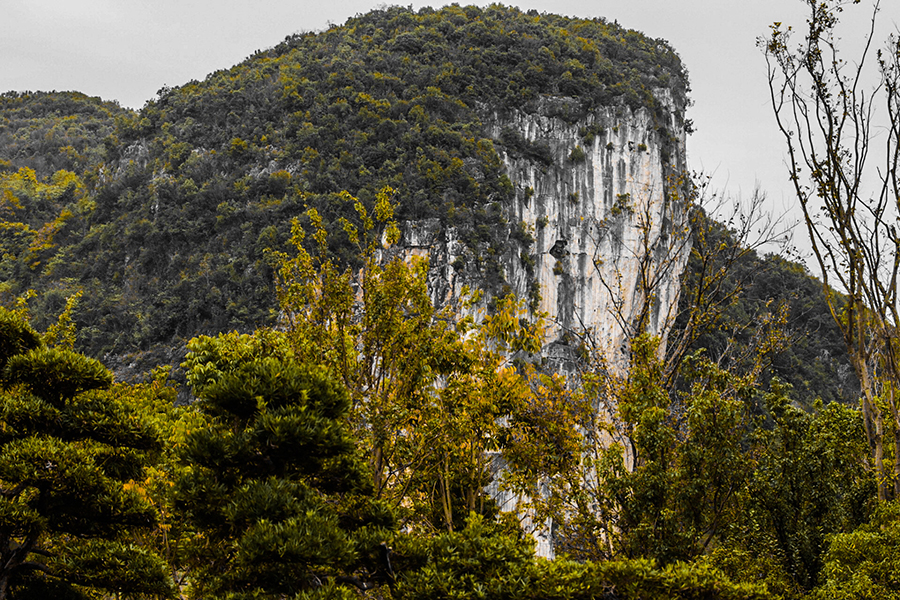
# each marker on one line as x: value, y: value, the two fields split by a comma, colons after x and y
x: 163, y: 217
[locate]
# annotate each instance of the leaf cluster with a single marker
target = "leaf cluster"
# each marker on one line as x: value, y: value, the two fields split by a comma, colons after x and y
x: 492, y: 561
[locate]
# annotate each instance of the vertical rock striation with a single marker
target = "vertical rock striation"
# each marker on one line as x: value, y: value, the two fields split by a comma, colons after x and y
x: 601, y: 197
x: 599, y: 228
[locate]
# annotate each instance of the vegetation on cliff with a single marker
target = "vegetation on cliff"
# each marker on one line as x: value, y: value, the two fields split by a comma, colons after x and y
x: 52, y: 131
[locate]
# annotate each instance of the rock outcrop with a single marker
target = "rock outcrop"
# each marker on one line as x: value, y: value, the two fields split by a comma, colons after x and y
x: 603, y: 205
x: 602, y: 235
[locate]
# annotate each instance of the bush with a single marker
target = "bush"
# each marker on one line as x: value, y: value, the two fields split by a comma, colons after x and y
x: 558, y: 268
x: 865, y: 564
x: 577, y: 155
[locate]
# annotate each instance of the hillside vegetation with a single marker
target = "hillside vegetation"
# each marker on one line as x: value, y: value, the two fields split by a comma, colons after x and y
x: 49, y: 132
x: 186, y: 195
x: 163, y: 217
x: 234, y: 243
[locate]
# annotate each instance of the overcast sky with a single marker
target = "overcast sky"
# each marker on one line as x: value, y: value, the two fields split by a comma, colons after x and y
x: 126, y: 50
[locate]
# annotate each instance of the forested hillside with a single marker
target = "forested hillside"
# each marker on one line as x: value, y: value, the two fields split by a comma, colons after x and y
x: 190, y: 192
x: 237, y: 244
x: 49, y: 132
x: 814, y: 358
x: 163, y: 218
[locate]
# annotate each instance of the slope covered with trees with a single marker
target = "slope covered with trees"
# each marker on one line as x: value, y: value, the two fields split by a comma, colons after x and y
x: 164, y: 217
x: 751, y: 288
x: 52, y: 131
x: 195, y: 187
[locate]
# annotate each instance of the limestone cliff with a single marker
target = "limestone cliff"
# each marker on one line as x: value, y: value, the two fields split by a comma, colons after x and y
x: 602, y: 236
x: 604, y: 209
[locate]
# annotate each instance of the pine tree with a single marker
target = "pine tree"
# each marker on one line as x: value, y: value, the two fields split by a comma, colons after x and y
x: 275, y: 489
x: 69, y: 456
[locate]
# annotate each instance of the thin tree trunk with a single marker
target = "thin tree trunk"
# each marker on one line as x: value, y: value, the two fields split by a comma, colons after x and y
x: 874, y: 425
x: 895, y: 416
x: 444, y: 480
x: 377, y: 469
x: 879, y: 456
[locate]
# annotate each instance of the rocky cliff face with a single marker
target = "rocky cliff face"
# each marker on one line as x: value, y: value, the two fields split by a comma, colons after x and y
x: 603, y: 237
x: 604, y: 209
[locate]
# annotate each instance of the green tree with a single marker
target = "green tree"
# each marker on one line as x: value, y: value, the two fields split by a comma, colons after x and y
x: 670, y: 490
x: 156, y: 399
x: 494, y: 560
x: 70, y: 452
x: 864, y: 564
x: 480, y: 559
x: 430, y: 388
x: 274, y: 490
x: 811, y: 480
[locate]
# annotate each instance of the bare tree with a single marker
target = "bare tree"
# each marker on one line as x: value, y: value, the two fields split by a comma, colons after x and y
x: 717, y: 232
x: 842, y: 148
x: 725, y: 232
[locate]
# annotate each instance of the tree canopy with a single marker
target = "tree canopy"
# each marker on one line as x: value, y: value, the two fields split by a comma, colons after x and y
x: 70, y: 453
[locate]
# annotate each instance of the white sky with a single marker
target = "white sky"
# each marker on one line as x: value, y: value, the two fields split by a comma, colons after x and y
x: 126, y: 50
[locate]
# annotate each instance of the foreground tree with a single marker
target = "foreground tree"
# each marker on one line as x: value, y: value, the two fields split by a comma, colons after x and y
x: 495, y: 561
x: 156, y: 399
x: 689, y: 465
x: 275, y: 489
x: 810, y: 481
x: 70, y: 453
x: 864, y: 564
x: 435, y: 391
x: 848, y: 185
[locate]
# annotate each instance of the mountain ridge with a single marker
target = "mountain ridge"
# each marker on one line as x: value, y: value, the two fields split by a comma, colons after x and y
x: 181, y: 199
